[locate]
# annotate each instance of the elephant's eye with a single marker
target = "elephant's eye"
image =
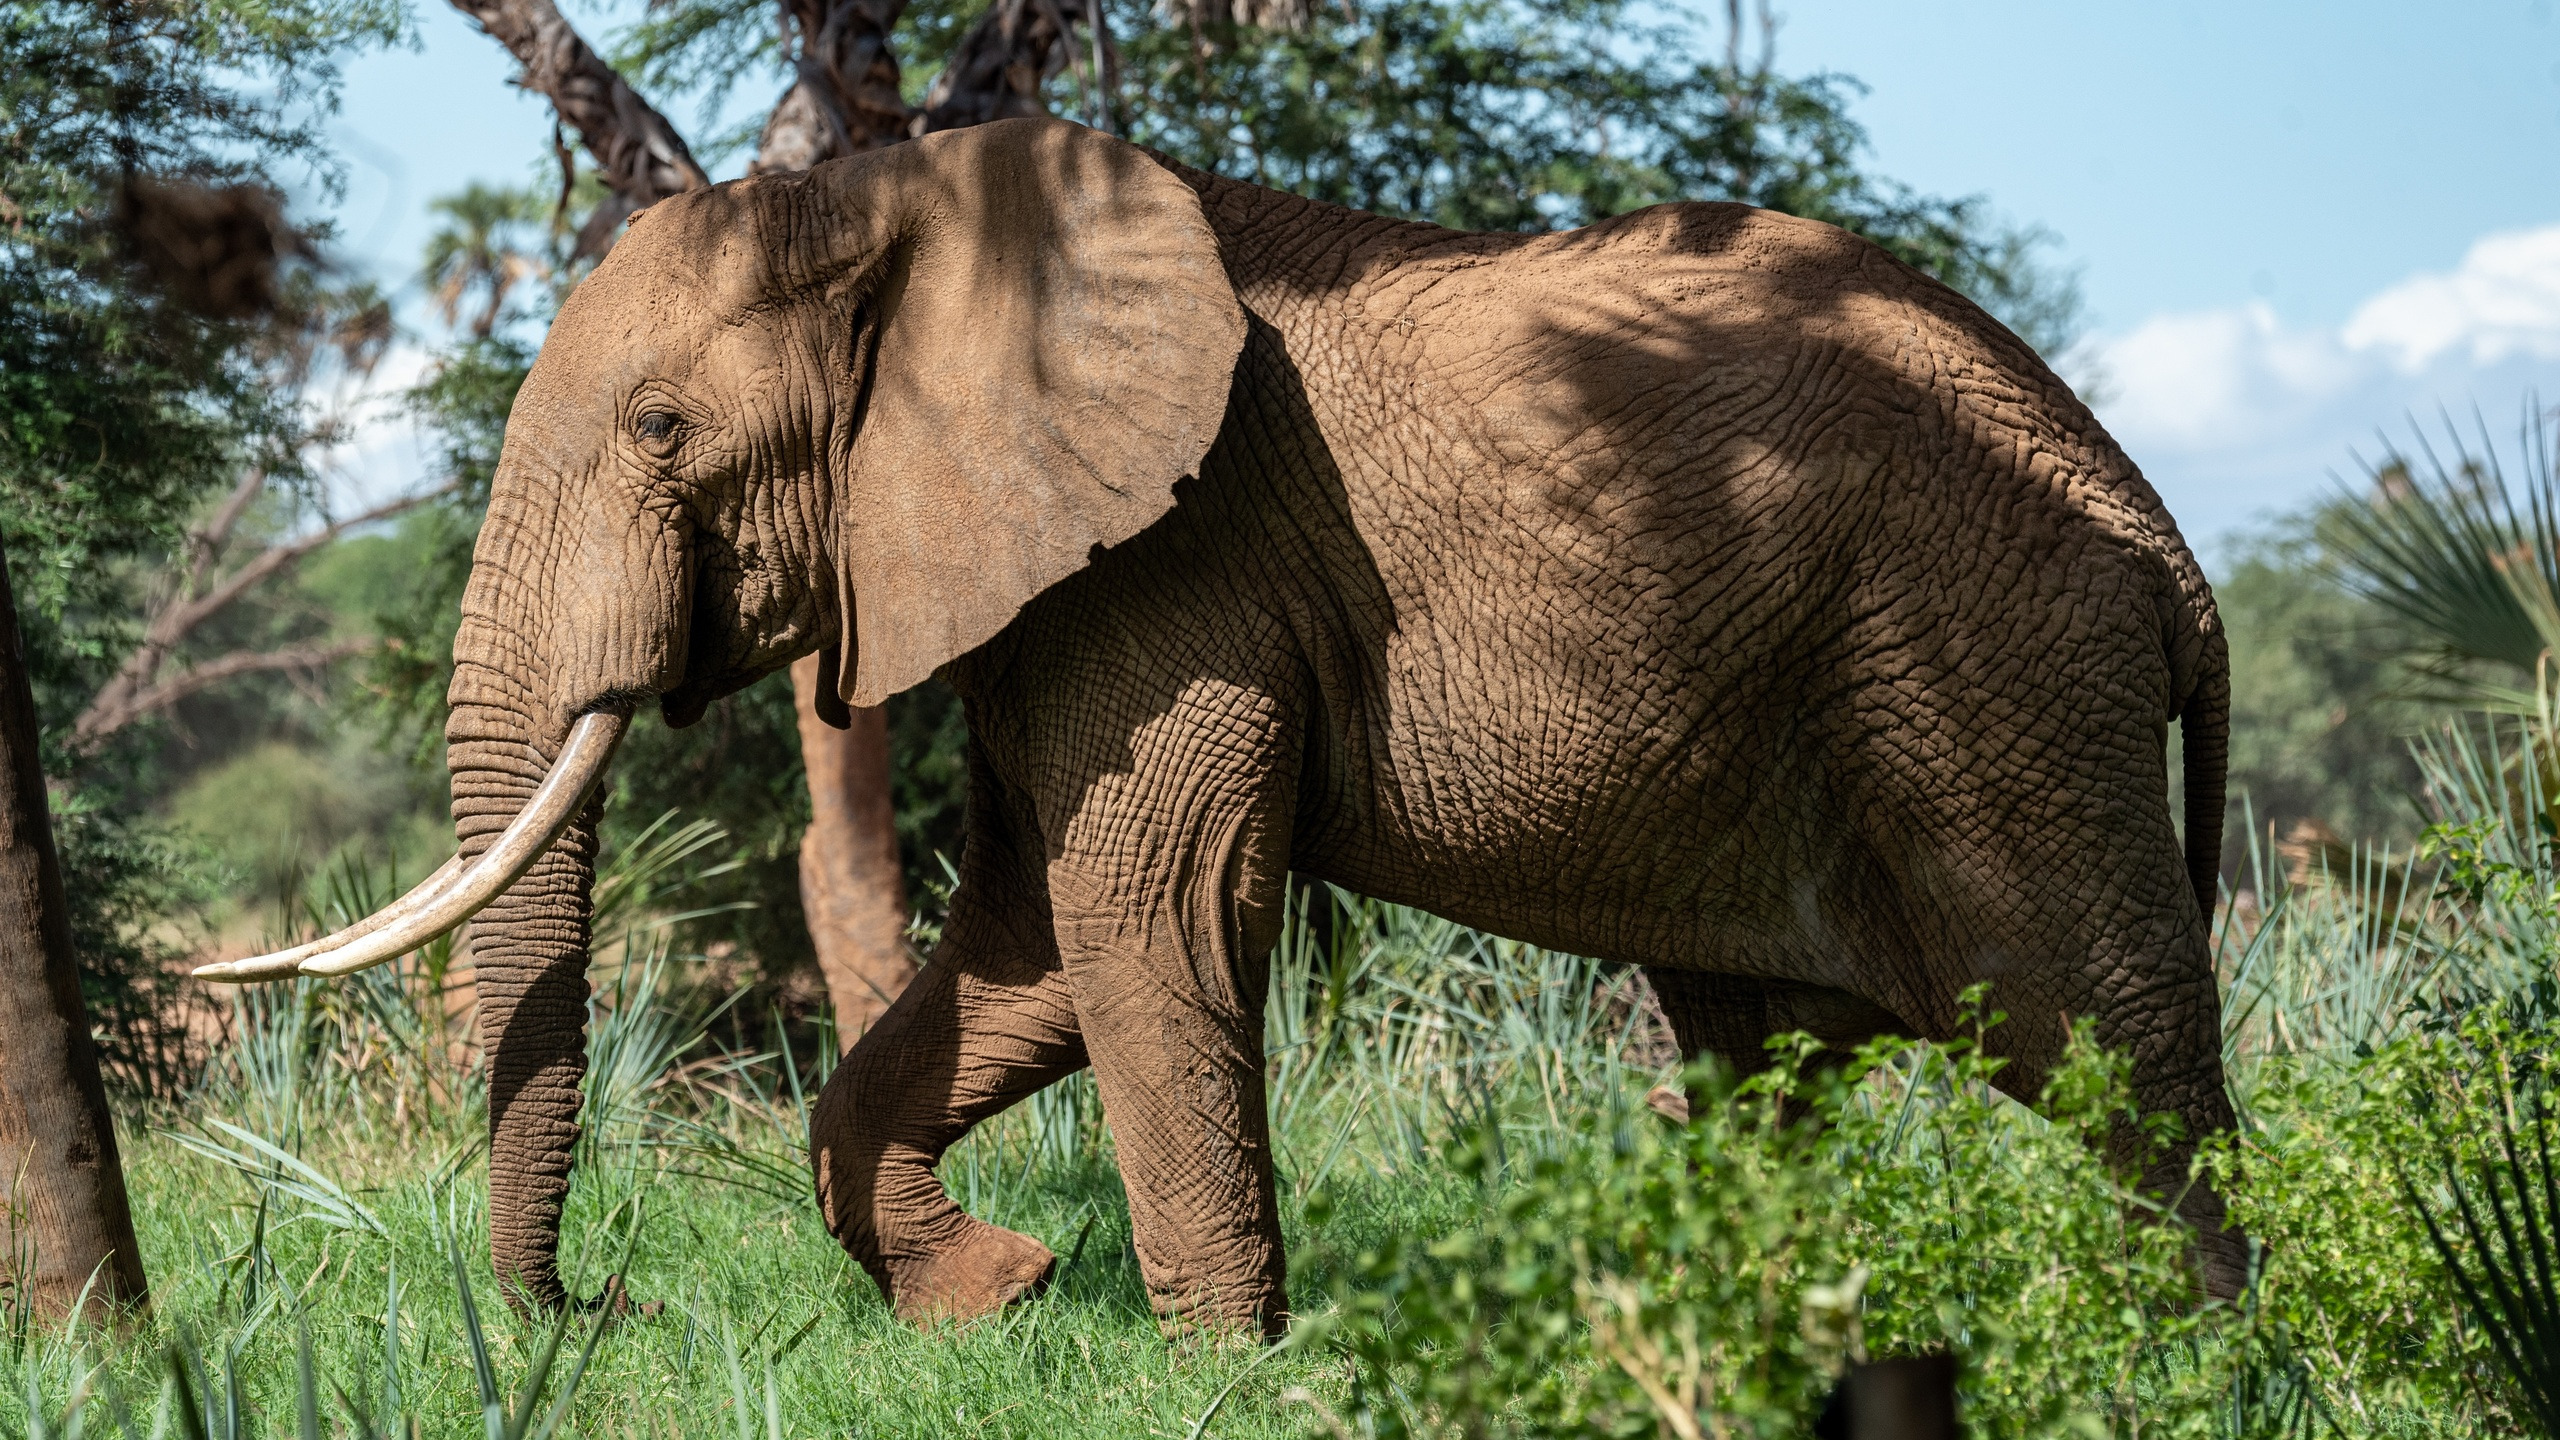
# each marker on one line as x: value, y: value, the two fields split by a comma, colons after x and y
x: 660, y: 426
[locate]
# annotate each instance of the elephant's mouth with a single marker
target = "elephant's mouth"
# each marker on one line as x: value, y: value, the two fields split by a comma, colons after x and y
x: 732, y: 641
x: 688, y: 703
x: 703, y: 685
x: 727, y: 645
x: 457, y: 890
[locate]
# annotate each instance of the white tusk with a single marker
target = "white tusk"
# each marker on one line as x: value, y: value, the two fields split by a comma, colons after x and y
x: 453, y: 895
x: 547, y: 812
x: 285, y: 964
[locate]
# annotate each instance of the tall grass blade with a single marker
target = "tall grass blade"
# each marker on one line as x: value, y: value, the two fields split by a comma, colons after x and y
x: 186, y: 1378
x: 493, y: 1410
x: 273, y: 1167
x: 631, y: 880
x: 391, y: 1343
x: 739, y: 1408
x: 520, y: 1416
x: 306, y: 1377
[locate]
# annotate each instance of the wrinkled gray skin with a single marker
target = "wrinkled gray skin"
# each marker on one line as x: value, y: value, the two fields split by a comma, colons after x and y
x: 1703, y: 590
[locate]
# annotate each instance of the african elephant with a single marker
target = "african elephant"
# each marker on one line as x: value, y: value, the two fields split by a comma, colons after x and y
x: 1703, y: 589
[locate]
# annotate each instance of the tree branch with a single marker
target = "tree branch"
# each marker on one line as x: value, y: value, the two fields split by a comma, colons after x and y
x: 223, y: 667
x: 995, y: 71
x: 844, y: 97
x: 642, y: 157
x: 205, y: 545
x: 128, y: 695
x: 278, y: 556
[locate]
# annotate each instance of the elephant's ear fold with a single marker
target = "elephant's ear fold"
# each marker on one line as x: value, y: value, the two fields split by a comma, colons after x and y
x: 1052, y: 336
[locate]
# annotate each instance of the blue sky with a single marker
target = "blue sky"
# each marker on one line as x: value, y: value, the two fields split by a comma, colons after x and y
x: 2295, y: 223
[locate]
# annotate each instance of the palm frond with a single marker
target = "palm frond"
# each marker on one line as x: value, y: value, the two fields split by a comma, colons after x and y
x: 2441, y: 545
x: 2498, y: 1233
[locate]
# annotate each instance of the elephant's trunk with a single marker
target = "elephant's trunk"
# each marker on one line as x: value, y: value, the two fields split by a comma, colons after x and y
x: 564, y: 628
x: 527, y: 826
x: 529, y: 949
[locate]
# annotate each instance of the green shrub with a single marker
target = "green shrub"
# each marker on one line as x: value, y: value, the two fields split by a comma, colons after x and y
x: 2341, y: 1181
x: 133, y: 889
x: 2350, y: 1277
x: 1712, y: 1278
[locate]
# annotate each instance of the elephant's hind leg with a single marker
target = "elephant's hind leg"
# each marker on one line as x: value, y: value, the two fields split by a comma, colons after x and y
x: 1732, y: 1018
x: 986, y: 1025
x: 2136, y: 963
x: 2065, y: 886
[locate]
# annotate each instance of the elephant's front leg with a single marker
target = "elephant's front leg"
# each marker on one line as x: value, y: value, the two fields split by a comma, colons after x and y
x: 1168, y: 963
x: 984, y: 1026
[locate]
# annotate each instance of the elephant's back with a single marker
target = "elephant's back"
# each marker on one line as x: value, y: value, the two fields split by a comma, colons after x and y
x: 1722, y: 425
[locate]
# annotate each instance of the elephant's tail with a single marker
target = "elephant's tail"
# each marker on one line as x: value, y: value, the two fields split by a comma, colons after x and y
x: 2205, y: 726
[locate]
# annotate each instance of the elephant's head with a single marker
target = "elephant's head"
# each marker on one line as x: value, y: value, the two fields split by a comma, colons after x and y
x: 873, y: 409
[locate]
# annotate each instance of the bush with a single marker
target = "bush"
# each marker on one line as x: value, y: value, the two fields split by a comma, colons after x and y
x: 2341, y: 1180
x: 1713, y: 1278
x: 2350, y: 1277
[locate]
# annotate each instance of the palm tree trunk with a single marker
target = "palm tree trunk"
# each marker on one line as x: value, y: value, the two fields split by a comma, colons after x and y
x: 65, y: 1223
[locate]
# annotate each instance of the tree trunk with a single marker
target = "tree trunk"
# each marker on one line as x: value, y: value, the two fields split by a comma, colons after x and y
x: 64, y: 1220
x: 851, y: 885
x: 995, y: 71
x: 641, y: 158
x: 844, y: 89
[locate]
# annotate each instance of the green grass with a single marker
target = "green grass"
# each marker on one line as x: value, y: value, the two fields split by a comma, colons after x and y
x: 734, y: 1270
x: 1492, y: 1233
x: 757, y: 1311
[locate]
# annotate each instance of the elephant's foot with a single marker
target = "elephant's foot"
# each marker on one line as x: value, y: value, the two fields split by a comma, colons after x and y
x: 989, y: 1268
x: 2220, y: 1251
x: 616, y: 1298
x: 1216, y: 1318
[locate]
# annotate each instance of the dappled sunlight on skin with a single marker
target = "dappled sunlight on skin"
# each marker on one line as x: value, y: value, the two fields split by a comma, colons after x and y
x: 1749, y: 604
x: 1703, y: 590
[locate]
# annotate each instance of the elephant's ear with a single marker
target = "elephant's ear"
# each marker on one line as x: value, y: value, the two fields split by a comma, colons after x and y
x: 1052, y: 335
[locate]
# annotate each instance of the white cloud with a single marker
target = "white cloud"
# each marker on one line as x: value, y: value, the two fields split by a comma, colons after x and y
x: 2502, y: 300
x: 2233, y: 413
x: 2216, y: 376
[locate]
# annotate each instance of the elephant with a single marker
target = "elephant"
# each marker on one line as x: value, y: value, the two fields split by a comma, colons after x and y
x: 1703, y: 590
